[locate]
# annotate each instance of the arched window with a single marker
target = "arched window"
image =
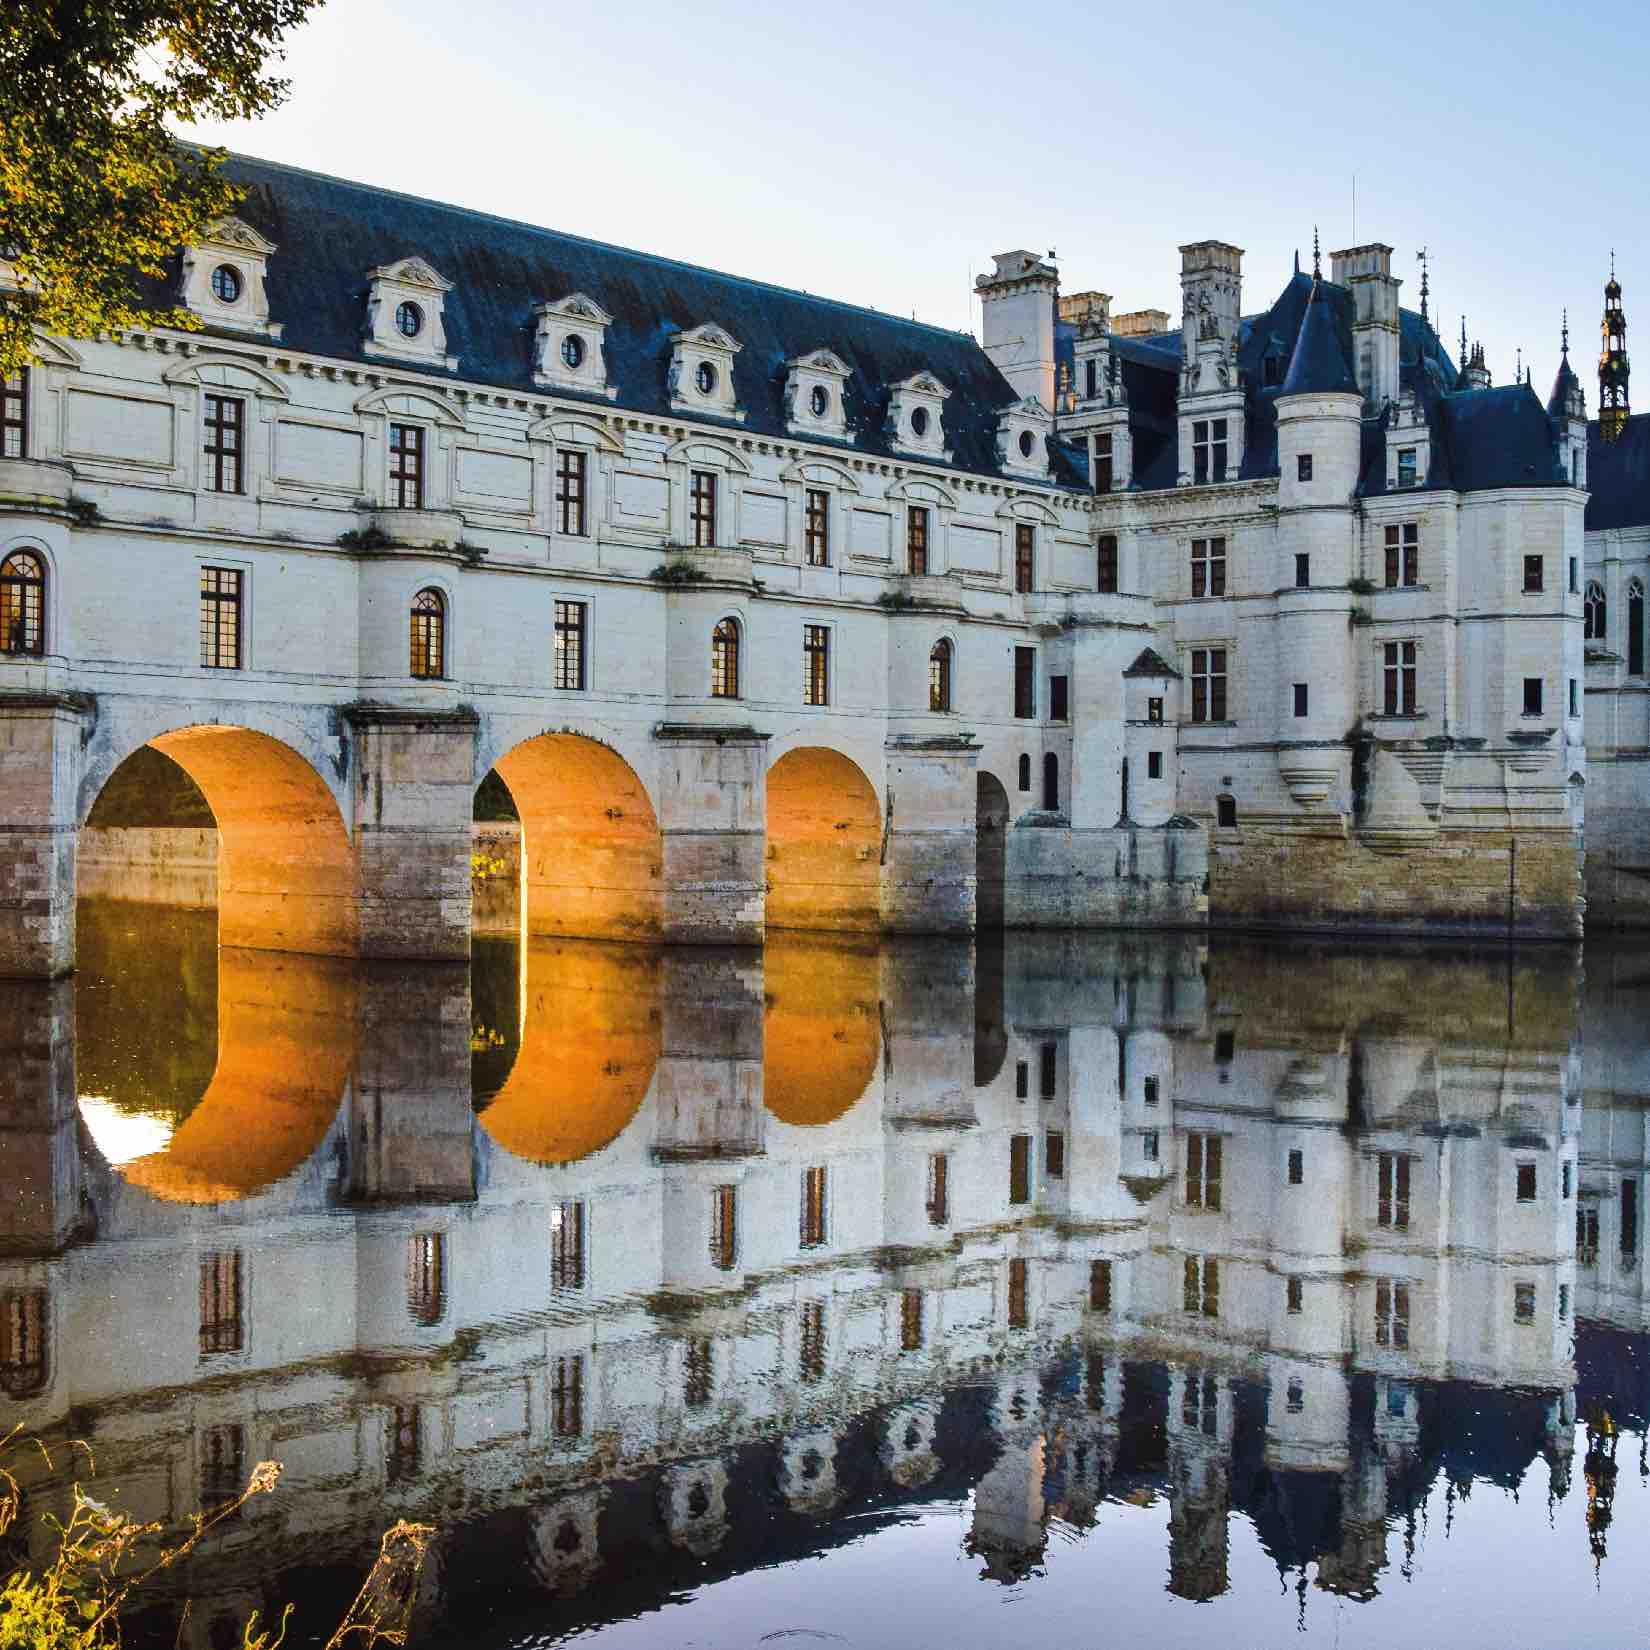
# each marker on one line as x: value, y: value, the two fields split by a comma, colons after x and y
x: 1594, y: 612
x: 1635, y: 629
x: 24, y: 1337
x: 429, y: 634
x: 1025, y: 773
x: 23, y: 603
x: 939, y: 676
x: 724, y: 660
x: 1051, y: 782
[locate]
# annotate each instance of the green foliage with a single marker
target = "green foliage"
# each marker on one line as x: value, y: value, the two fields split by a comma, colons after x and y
x: 149, y: 788
x: 367, y: 538
x: 1361, y: 587
x: 678, y: 572
x: 493, y: 799
x: 94, y: 188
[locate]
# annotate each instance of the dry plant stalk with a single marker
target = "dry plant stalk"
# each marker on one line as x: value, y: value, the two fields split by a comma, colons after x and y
x: 383, y: 1608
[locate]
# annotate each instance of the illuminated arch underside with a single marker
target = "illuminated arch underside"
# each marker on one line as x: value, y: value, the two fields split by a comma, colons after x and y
x: 824, y: 840
x: 821, y: 1032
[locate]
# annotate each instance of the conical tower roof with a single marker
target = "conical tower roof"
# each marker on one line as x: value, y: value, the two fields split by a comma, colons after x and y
x: 1319, y: 365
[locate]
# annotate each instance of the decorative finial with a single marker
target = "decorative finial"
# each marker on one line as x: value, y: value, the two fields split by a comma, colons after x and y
x: 1425, y: 285
x: 1297, y: 260
x: 1317, y: 266
x: 1518, y: 366
x: 1564, y: 348
x: 1463, y: 343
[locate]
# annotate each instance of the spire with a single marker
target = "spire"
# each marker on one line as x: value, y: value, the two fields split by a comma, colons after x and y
x: 1613, y: 405
x: 1319, y: 365
x: 1463, y: 343
x: 1564, y: 345
x: 1317, y: 264
x: 1297, y: 260
x: 1425, y: 282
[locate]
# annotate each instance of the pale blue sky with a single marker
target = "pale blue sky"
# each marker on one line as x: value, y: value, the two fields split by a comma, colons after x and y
x: 880, y: 155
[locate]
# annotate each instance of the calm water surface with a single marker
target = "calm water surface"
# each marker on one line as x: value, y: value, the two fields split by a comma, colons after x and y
x: 1056, y: 1292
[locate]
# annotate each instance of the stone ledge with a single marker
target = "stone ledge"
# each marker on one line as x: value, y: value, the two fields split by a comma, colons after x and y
x: 35, y: 482
x: 365, y: 713
x: 691, y: 733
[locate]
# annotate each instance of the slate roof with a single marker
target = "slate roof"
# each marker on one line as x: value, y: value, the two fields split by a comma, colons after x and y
x: 1321, y: 361
x: 330, y: 232
x: 1618, y: 472
x: 1152, y: 663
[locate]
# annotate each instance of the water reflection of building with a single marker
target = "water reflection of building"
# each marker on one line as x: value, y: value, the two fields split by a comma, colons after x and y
x: 739, y: 1240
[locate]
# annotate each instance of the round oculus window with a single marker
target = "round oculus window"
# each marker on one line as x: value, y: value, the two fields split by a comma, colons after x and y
x: 1026, y: 443
x: 226, y: 283
x: 919, y: 422
x: 572, y: 351
x: 820, y: 400
x: 409, y: 320
x: 705, y: 377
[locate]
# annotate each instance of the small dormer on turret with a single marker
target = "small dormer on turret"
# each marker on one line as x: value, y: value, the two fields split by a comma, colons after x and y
x: 1408, y: 443
x: 914, y: 417
x: 223, y: 279
x: 1320, y: 410
x: 405, y: 304
x: 1366, y: 271
x: 701, y: 373
x: 1474, y: 373
x: 570, y: 345
x: 1567, y: 408
x: 1017, y: 303
x: 1614, y: 408
x: 1023, y: 432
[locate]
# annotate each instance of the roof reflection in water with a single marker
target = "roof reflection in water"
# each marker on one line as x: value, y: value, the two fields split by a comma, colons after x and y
x: 719, y: 1260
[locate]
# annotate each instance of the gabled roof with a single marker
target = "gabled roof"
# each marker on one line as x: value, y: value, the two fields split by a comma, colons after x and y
x: 1618, y: 474
x: 329, y: 233
x: 1320, y: 363
x: 1152, y: 663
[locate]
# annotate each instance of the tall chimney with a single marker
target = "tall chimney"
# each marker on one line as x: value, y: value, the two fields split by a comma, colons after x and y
x: 1017, y: 303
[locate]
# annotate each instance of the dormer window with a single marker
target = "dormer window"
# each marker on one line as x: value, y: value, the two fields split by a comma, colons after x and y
x: 1208, y: 450
x: 1022, y: 438
x: 1406, y: 467
x: 569, y: 348
x: 914, y: 422
x: 223, y: 278
x: 814, y: 386
x: 405, y: 303
x: 701, y: 373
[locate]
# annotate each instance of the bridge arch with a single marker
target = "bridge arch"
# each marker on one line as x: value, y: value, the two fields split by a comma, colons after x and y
x: 591, y: 849
x: 824, y: 843
x: 287, y: 878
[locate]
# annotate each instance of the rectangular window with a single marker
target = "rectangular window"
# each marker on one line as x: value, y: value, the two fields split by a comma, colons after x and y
x: 222, y: 1465
x: 1532, y: 695
x: 1403, y: 555
x: 1303, y: 466
x: 1048, y: 1069
x: 811, y: 1341
x: 816, y: 665
x: 406, y: 1443
x: 1526, y: 1183
x: 571, y: 491
x: 1294, y: 1294
x: 567, y: 1397
x: 406, y: 467
x: 916, y: 539
x: 816, y: 532
x: 1054, y: 1156
x: 815, y: 1209
x: 1226, y: 812
x: 1297, y: 1166
x: 1102, y: 457
x: 1575, y: 697
x: 1209, y: 567
x: 1203, y: 1152
x: 1295, y: 1397
x: 1200, y: 1404
x: 1018, y: 1312
x: 1091, y: 381
x: 222, y: 1328
x: 1151, y: 1091
x: 1208, y: 684
x: 702, y: 507
x: 1567, y: 1179
x: 1300, y: 698
x: 1200, y: 1285
x: 1587, y: 1234
x: 1629, y: 1220
x: 1575, y: 588
x: 1391, y: 1314
x: 1407, y: 467
x: 910, y: 1320
x: 698, y: 1371
x: 1154, y: 710
x: 1398, y: 675
x: 1209, y: 450
x: 1563, y: 1302
x: 1099, y: 1286
x: 939, y: 1189
x: 567, y: 1245
x: 1225, y: 1047
x: 1149, y: 1146
x: 225, y: 443
x: 1022, y: 1080
x: 1025, y: 682
x: 14, y: 416
x: 1154, y: 764
x: 1533, y: 575
x: 1019, y: 1168
x: 1392, y: 1192
x: 1059, y: 698
x: 1303, y: 570
x: 1025, y: 556
x: 220, y: 618
x: 1523, y: 1303
x: 724, y: 1228
x: 570, y: 645
x: 1106, y: 565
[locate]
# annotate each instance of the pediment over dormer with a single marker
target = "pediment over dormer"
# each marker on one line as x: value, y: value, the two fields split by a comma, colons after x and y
x: 915, y: 409
x: 709, y: 336
x: 923, y: 383
x: 405, y: 313
x: 237, y: 235
x: 701, y: 372
x: 570, y: 345
x: 576, y: 306
x: 412, y: 272
x: 820, y: 360
x: 814, y: 403
x: 222, y: 278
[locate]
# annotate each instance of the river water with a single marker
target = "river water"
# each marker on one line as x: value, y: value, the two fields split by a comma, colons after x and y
x: 1057, y: 1291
